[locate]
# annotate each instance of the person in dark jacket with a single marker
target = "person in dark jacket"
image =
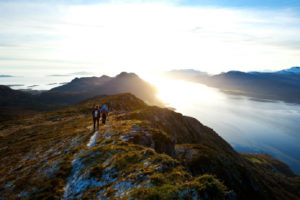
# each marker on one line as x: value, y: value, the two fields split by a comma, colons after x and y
x: 104, y: 112
x: 96, y: 116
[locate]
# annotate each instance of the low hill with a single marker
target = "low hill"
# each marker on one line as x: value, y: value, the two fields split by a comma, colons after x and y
x: 144, y: 152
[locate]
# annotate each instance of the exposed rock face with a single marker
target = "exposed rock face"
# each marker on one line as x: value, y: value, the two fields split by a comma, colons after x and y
x: 143, y: 152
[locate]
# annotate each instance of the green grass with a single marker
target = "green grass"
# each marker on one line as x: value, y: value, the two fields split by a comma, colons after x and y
x: 256, y: 160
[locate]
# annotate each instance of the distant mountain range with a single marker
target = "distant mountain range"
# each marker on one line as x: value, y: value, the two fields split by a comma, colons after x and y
x: 280, y: 85
x: 14, y: 103
x: 5, y: 76
x: 293, y: 70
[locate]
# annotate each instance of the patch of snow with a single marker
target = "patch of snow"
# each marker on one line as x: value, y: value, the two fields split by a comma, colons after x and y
x: 9, y: 186
x: 51, y: 170
x: 100, y: 193
x: 110, y: 175
x: 106, y: 137
x: 49, y: 151
x: 23, y: 194
x: 147, y: 164
x: 74, y: 141
x: 89, y: 127
x: 75, y: 182
x: 124, y: 138
x: 123, y: 188
x: 93, y: 139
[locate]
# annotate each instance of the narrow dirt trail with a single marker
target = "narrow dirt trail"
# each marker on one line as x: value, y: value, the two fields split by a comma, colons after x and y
x: 93, y: 139
x: 74, y: 183
x: 71, y: 186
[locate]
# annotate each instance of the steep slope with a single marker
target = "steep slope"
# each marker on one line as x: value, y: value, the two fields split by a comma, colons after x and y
x: 144, y: 152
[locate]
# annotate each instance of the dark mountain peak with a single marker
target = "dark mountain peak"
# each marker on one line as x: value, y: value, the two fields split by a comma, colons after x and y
x: 5, y: 88
x: 5, y: 91
x: 84, y: 78
x: 235, y: 75
x: 127, y: 75
x: 292, y: 70
x: 295, y: 68
x: 76, y: 79
x: 234, y: 71
x: 105, y: 85
x: 105, y: 77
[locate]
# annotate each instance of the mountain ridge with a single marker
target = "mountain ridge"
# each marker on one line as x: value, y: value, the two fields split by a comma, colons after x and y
x: 282, y: 85
x: 144, y: 152
x: 79, y: 89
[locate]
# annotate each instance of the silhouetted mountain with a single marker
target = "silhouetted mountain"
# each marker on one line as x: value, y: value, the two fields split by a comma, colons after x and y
x: 282, y: 85
x: 143, y: 152
x: 124, y: 82
x: 293, y: 70
x: 17, y: 103
x: 73, y: 92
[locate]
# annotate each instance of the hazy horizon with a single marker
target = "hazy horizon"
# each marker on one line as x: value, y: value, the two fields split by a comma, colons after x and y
x: 58, y: 37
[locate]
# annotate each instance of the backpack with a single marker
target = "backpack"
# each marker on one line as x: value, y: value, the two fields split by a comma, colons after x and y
x: 96, y: 113
x: 104, y: 110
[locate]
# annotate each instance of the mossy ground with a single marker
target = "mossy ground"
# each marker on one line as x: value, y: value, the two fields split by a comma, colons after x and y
x: 127, y: 160
x: 143, y: 152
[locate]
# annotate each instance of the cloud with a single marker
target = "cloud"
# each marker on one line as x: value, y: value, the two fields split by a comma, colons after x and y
x: 6, y: 76
x: 82, y: 73
x: 144, y: 36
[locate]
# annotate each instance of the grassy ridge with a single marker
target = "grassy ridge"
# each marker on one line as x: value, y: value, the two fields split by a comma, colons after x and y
x: 144, y: 152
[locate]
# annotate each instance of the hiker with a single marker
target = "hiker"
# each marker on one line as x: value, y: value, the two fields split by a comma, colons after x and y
x: 104, y: 112
x: 96, y: 117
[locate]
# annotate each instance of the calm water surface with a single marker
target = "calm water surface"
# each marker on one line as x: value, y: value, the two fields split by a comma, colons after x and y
x: 249, y: 125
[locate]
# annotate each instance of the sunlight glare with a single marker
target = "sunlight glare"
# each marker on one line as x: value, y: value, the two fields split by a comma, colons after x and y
x: 177, y: 93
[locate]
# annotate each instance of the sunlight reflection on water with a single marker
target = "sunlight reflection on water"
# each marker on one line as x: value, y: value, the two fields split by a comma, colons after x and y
x: 249, y: 125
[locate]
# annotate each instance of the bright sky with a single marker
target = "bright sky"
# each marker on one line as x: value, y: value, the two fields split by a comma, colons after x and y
x: 107, y: 37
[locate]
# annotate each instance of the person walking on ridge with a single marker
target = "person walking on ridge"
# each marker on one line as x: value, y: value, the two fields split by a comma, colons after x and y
x: 104, y: 112
x: 96, y: 117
